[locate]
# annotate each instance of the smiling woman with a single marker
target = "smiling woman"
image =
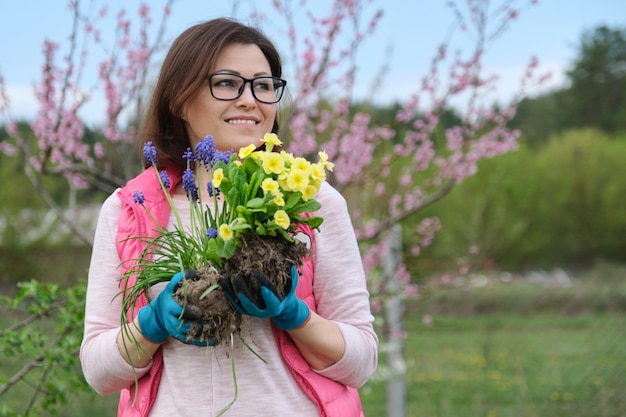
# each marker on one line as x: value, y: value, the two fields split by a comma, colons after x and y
x: 221, y: 80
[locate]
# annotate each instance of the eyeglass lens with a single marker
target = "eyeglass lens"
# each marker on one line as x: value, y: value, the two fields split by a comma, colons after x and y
x: 231, y: 86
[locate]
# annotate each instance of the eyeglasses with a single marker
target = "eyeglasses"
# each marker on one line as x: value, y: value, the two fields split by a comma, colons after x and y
x: 226, y: 87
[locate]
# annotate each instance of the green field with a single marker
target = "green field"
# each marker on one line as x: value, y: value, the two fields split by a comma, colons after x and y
x: 503, y: 350
x: 492, y: 366
x: 512, y: 365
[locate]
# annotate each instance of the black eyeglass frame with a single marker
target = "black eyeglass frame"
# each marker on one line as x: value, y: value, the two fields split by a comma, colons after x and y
x: 243, y: 86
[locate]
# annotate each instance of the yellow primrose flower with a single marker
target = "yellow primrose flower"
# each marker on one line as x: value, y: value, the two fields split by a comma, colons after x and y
x: 287, y: 157
x: 301, y: 163
x: 245, y: 152
x: 324, y: 160
x: 297, y: 180
x: 273, y: 163
x: 218, y: 176
x: 315, y: 183
x: 317, y: 172
x: 270, y: 186
x: 279, y: 200
x: 271, y: 140
x: 282, y: 181
x: 258, y: 155
x: 282, y: 219
x: 310, y: 192
x: 225, y: 232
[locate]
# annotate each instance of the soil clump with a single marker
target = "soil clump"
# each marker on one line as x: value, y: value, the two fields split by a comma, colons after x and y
x: 213, y: 317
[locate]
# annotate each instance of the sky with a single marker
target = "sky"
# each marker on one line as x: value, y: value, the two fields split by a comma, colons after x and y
x: 405, y: 41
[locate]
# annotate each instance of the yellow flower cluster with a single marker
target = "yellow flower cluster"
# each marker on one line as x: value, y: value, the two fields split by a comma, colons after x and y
x: 288, y: 173
x: 285, y: 184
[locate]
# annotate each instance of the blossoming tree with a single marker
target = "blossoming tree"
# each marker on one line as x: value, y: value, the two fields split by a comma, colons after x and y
x: 401, y: 163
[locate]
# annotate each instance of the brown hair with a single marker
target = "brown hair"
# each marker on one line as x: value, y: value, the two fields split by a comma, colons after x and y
x: 191, y: 57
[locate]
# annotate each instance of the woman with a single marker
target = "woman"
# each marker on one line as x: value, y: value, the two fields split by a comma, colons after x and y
x: 222, y: 78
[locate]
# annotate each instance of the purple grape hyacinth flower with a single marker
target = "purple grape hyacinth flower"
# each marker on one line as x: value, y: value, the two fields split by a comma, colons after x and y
x: 222, y: 156
x: 188, y: 155
x: 138, y: 197
x: 189, y: 184
x: 205, y: 149
x: 211, y: 232
x: 150, y: 153
x: 212, y: 190
x: 165, y: 179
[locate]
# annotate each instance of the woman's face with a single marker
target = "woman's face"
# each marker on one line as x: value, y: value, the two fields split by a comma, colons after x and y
x: 236, y: 123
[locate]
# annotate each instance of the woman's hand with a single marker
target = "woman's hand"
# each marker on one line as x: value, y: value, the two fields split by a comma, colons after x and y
x: 154, y: 324
x: 319, y: 340
x: 258, y: 297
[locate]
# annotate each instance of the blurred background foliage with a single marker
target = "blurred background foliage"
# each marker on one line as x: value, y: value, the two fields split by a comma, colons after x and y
x: 557, y: 201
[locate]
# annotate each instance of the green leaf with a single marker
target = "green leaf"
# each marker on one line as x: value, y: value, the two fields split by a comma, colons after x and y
x: 208, y: 290
x: 307, y: 207
x: 212, y: 252
x: 292, y: 200
x: 284, y: 234
x: 256, y: 181
x: 239, y: 179
x: 250, y: 165
x: 226, y: 185
x: 226, y: 248
x: 233, y: 199
x: 255, y: 203
x: 245, y: 192
x: 240, y: 226
x: 314, y: 222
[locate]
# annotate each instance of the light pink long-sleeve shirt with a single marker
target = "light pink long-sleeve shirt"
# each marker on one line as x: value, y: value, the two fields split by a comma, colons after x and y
x: 199, y: 380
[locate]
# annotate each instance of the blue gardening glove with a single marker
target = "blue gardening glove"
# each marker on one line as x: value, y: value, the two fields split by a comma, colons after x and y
x: 161, y: 318
x: 288, y: 313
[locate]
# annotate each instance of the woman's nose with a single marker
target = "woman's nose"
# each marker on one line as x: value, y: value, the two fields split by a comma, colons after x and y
x: 247, y: 97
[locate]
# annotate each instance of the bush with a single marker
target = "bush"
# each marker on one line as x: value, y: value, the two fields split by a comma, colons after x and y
x: 558, y: 205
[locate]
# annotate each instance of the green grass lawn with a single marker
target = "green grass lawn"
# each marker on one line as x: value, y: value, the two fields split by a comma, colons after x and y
x: 491, y: 366
x: 512, y: 365
x: 506, y: 351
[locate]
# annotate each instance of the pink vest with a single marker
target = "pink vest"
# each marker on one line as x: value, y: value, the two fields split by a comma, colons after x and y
x: 332, y: 398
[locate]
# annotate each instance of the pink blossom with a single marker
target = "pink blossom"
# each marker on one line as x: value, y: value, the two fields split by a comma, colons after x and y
x: 397, y: 334
x: 411, y: 290
x: 144, y: 10
x: 98, y: 150
x: 8, y: 148
x: 11, y: 128
x: 375, y: 305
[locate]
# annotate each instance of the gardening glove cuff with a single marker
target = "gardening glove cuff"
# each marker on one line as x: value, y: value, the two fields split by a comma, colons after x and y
x: 295, y: 313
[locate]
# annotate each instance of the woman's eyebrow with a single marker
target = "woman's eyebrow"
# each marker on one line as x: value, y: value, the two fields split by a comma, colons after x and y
x: 230, y: 71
